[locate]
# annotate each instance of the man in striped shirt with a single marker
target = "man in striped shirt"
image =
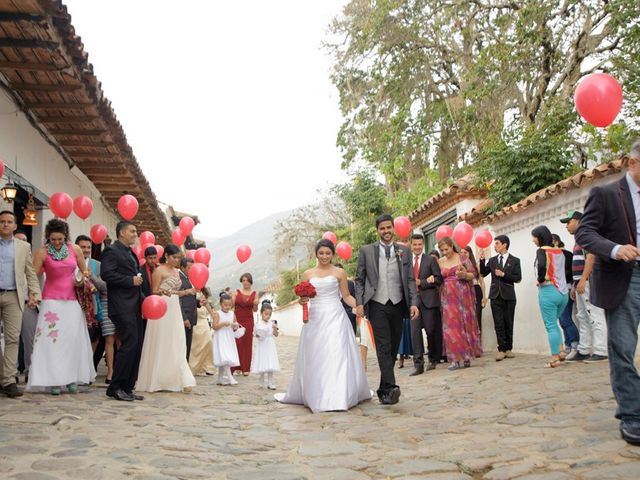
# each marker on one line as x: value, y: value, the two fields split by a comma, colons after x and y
x: 591, y: 319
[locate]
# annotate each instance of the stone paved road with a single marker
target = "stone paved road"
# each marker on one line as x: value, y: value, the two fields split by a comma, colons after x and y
x: 494, y: 421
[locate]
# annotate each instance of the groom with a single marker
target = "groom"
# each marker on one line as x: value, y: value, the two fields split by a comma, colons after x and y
x: 386, y: 290
x: 120, y: 271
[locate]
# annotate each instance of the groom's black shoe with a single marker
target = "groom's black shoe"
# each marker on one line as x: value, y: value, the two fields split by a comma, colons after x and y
x: 120, y: 395
x: 630, y: 432
x: 391, y: 397
x: 432, y: 365
x: 136, y: 396
x: 417, y: 371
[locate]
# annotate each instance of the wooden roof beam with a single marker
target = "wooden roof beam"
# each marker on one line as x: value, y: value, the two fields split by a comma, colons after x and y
x: 92, y: 155
x: 28, y: 43
x: 77, y: 132
x: 21, y: 17
x: 61, y: 119
x: 58, y: 106
x: 35, y: 87
x: 86, y: 143
x: 34, y: 66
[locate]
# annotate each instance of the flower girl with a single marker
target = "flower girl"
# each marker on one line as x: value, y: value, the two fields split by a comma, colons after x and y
x: 265, y: 359
x: 225, y: 352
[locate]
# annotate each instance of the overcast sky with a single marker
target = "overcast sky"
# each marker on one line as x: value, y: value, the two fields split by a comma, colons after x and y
x: 227, y: 105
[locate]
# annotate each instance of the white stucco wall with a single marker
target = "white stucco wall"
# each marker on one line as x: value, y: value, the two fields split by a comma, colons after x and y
x: 25, y: 151
x: 529, y: 335
x: 289, y: 319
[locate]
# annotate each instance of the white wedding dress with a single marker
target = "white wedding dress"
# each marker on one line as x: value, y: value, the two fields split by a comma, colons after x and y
x: 328, y: 375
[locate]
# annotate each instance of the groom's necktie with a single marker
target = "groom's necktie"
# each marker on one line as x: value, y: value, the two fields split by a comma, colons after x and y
x: 387, y: 252
x: 416, y: 266
x: 500, y: 264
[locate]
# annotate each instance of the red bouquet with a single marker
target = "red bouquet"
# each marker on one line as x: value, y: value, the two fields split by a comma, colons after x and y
x: 305, y: 289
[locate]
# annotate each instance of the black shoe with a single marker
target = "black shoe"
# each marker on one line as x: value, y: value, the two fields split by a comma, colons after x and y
x: 578, y: 357
x: 120, y: 395
x: 391, y: 397
x: 11, y: 390
x: 107, y: 381
x: 630, y: 432
x: 596, y: 358
x: 417, y: 371
x: 431, y: 365
x: 137, y: 397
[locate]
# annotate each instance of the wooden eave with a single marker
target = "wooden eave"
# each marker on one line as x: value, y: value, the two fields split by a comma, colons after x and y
x: 44, y: 67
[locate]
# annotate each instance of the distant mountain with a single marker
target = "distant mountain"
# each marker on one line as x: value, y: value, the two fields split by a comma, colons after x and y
x: 225, y: 267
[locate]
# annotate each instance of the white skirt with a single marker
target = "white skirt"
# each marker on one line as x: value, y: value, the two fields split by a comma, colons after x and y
x: 265, y: 358
x: 62, y: 351
x: 225, y: 351
x: 163, y: 363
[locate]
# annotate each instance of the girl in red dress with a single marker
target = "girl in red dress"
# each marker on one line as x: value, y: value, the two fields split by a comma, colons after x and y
x: 245, y: 303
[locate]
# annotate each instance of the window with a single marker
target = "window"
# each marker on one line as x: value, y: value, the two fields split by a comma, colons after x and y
x: 429, y: 230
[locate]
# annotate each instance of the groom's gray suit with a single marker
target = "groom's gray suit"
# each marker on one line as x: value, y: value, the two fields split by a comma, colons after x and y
x: 386, y: 288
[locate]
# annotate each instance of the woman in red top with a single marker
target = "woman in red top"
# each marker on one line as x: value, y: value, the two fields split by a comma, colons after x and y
x: 245, y: 302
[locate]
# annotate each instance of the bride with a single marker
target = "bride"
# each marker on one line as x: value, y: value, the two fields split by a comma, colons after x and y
x: 329, y: 374
x: 163, y: 363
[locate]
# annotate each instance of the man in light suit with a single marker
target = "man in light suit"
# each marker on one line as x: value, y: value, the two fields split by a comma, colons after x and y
x: 17, y: 276
x: 610, y: 229
x: 386, y: 293
x: 428, y: 278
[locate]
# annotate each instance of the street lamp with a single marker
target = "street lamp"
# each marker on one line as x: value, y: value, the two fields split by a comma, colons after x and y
x: 9, y: 192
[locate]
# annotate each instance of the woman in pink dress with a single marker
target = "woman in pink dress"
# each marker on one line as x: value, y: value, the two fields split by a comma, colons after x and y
x: 459, y: 326
x: 245, y: 302
x: 62, y: 354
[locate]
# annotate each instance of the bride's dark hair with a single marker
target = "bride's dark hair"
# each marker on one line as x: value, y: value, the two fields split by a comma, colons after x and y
x: 325, y: 243
x: 170, y: 249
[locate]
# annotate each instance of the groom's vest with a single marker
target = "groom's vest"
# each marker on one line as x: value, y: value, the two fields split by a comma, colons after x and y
x: 389, y: 281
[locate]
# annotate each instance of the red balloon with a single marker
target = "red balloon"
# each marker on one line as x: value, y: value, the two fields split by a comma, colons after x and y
x: 1, y: 168
x: 444, y: 231
x: 61, y: 204
x: 483, y: 238
x: 598, y: 99
x: 128, y: 206
x: 154, y: 307
x: 199, y: 274
x: 186, y: 225
x: 462, y: 234
x: 177, y: 236
x: 243, y: 252
x: 191, y: 254
x: 344, y: 250
x: 160, y: 250
x: 330, y: 236
x: 137, y: 249
x: 147, y: 237
x: 98, y: 233
x: 402, y: 226
x: 83, y: 206
x: 202, y: 255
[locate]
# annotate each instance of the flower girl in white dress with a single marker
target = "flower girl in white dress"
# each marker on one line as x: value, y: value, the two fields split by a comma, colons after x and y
x: 225, y: 352
x: 265, y: 359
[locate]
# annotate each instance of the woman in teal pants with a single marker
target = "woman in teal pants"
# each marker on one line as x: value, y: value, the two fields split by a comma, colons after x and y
x: 553, y: 293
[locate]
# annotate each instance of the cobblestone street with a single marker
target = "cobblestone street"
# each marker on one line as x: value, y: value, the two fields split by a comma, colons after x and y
x: 494, y: 421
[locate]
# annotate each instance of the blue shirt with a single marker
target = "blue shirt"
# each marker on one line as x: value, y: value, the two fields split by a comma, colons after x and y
x: 7, y: 264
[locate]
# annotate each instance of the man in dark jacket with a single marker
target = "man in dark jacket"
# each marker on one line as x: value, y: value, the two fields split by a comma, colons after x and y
x: 188, y: 302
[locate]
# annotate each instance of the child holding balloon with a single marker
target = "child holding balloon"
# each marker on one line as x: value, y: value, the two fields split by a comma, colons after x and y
x: 225, y: 352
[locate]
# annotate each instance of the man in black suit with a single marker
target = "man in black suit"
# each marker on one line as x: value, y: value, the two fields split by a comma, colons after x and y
x: 188, y: 302
x: 120, y: 271
x: 428, y: 278
x: 386, y: 287
x: 505, y: 271
x: 609, y: 229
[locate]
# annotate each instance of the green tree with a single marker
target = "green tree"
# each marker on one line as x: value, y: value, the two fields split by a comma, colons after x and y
x: 437, y: 84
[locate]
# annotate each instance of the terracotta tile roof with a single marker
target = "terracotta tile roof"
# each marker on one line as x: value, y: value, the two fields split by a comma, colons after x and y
x: 460, y: 189
x: 580, y: 180
x: 45, y: 69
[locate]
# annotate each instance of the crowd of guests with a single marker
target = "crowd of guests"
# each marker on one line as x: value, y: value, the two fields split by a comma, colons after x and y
x: 89, y: 310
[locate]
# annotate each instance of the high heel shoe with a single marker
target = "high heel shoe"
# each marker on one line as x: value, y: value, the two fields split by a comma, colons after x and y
x: 55, y: 391
x: 454, y: 366
x: 467, y: 363
x: 72, y: 387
